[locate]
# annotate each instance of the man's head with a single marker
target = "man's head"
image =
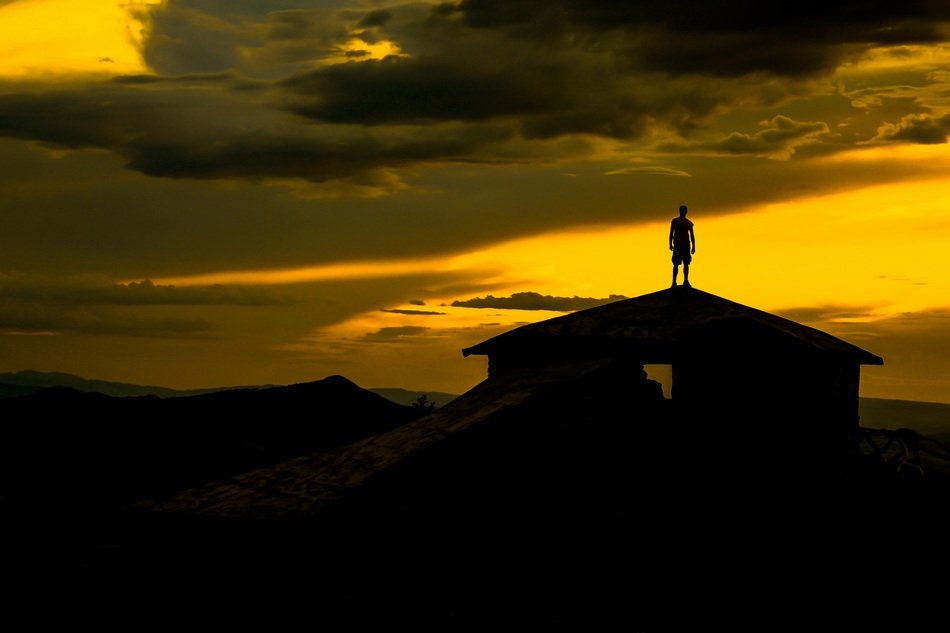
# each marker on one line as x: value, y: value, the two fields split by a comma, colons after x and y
x: 682, y: 209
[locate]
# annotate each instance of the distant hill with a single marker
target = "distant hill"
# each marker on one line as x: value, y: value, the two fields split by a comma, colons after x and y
x: 12, y: 391
x: 22, y: 382
x: 928, y: 418
x: 407, y: 397
x: 60, y: 447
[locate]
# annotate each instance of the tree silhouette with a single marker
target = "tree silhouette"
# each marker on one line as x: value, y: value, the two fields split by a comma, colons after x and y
x: 422, y: 403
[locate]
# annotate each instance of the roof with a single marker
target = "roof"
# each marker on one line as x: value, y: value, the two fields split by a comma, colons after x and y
x: 660, y: 323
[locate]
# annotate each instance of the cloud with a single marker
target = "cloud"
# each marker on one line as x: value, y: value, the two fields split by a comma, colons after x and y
x: 185, y: 40
x: 451, y: 72
x: 255, y: 38
x: 730, y: 38
x: 779, y: 136
x: 915, y: 347
x: 829, y: 313
x: 18, y: 317
x: 96, y: 289
x: 917, y: 128
x: 649, y: 171
x: 93, y: 304
x: 274, y: 92
x: 395, y: 333
x: 406, y: 90
x: 413, y: 312
x: 535, y: 301
x: 207, y: 127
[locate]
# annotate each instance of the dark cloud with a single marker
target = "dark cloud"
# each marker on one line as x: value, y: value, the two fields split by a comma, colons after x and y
x: 378, y: 17
x: 535, y: 301
x: 263, y: 39
x: 478, y: 81
x: 927, y: 130
x: 248, y: 7
x: 778, y: 136
x: 394, y: 333
x: 398, y: 89
x: 185, y: 40
x: 250, y: 316
x: 827, y: 313
x: 450, y: 72
x: 202, y: 131
x: 94, y: 289
x: 731, y: 38
x: 416, y: 302
x: 413, y: 312
x: 256, y: 38
x: 93, y: 304
x: 854, y: 116
x: 34, y: 317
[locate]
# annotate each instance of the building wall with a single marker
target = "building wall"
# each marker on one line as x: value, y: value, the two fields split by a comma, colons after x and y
x: 770, y: 398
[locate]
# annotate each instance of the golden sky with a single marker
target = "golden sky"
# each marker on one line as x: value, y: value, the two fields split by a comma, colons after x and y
x: 208, y: 193
x: 71, y: 37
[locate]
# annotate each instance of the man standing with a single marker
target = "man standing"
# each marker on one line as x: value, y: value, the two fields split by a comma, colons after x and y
x: 683, y: 245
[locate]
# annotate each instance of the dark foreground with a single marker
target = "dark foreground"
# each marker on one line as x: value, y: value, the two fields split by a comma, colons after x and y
x: 851, y: 550
x: 623, y: 528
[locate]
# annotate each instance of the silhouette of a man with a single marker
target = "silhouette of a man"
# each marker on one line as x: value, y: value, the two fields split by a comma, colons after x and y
x: 683, y: 245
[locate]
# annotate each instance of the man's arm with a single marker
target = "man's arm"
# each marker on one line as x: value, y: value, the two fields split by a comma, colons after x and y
x: 692, y: 237
x: 671, y: 234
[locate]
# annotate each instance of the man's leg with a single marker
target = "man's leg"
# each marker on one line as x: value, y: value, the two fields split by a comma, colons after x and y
x: 685, y: 274
x: 676, y: 270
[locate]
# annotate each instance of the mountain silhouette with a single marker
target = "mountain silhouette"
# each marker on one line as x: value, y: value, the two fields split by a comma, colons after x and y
x: 28, y: 381
x: 409, y: 397
x: 61, y: 447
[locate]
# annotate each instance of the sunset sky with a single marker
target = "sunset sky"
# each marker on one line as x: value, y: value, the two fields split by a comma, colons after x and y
x: 203, y: 193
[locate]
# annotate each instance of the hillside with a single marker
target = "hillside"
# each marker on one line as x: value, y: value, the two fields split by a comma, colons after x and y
x: 60, y: 446
x: 407, y: 397
x: 580, y: 521
x: 28, y: 381
x: 927, y: 418
x: 21, y: 383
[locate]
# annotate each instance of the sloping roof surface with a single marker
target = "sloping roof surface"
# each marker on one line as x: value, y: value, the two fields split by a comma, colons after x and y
x: 662, y: 320
x: 306, y: 486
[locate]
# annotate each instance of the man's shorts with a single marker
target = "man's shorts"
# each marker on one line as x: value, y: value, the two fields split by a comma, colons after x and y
x: 681, y: 254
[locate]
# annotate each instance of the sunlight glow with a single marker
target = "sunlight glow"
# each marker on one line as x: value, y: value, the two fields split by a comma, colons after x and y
x: 931, y: 56
x: 806, y: 253
x: 810, y: 251
x: 358, y: 50
x: 348, y: 270
x: 850, y: 257
x: 56, y: 37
